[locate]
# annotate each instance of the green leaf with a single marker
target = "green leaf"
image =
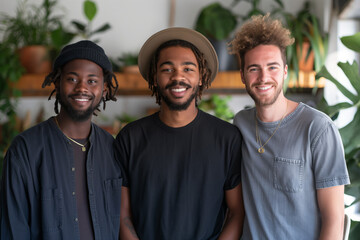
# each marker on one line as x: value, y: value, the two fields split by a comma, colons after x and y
x: 90, y: 9
x: 103, y: 28
x: 352, y: 73
x: 352, y: 42
x: 325, y: 73
x: 80, y: 26
x: 350, y: 134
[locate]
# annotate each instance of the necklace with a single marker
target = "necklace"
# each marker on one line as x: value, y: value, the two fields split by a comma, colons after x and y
x: 258, y: 139
x: 83, y: 146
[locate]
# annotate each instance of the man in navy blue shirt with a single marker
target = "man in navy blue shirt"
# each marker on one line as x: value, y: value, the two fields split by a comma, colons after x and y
x: 60, y: 179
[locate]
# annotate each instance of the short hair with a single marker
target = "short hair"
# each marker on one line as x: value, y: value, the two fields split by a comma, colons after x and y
x: 260, y: 30
x: 112, y: 86
x: 204, y: 70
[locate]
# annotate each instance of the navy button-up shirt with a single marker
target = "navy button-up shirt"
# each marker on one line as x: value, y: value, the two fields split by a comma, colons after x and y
x: 38, y: 182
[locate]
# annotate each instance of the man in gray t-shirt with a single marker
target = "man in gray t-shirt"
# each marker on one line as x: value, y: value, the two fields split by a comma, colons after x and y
x: 293, y: 168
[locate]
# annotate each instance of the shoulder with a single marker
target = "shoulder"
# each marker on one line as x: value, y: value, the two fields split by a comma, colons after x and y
x: 313, y: 117
x: 138, y: 126
x: 100, y: 134
x: 214, y: 123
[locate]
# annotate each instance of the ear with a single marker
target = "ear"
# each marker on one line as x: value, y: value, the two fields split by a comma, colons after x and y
x: 105, y: 90
x: 242, y: 76
x: 200, y: 82
x: 285, y: 71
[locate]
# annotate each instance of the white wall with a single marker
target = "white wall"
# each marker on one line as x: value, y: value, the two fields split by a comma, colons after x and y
x: 133, y: 21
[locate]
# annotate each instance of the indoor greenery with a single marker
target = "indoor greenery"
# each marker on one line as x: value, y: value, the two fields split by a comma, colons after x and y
x: 218, y: 106
x: 85, y: 30
x: 304, y: 27
x: 10, y: 71
x: 349, y: 133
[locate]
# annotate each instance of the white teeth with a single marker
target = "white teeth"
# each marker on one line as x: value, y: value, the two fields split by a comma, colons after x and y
x: 264, y: 88
x: 81, y: 100
x: 178, y: 89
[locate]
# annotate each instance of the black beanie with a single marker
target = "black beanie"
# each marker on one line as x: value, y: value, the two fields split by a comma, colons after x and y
x: 83, y: 50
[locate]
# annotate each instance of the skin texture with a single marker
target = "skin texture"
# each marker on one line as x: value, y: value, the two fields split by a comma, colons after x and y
x: 178, y: 78
x: 81, y: 89
x: 263, y: 75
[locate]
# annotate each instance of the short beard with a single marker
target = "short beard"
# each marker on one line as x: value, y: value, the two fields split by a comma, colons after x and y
x: 179, y: 107
x: 78, y: 116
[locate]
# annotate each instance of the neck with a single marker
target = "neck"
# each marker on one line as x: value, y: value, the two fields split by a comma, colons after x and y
x: 177, y: 119
x: 276, y: 111
x: 74, y: 129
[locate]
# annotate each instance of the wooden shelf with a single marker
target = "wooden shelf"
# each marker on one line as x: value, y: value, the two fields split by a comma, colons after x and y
x: 134, y: 84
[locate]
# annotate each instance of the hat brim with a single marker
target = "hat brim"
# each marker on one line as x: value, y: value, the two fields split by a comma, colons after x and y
x: 197, y: 39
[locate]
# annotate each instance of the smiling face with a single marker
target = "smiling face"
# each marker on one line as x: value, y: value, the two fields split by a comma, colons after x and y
x: 177, y: 77
x: 81, y: 88
x: 264, y: 73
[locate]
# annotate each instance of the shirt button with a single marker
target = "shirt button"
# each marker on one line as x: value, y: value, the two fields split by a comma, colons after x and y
x: 73, y: 169
x: 73, y: 193
x: 76, y: 219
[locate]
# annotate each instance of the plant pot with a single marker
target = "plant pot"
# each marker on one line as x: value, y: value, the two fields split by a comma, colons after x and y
x: 227, y: 62
x: 35, y: 59
x: 305, y: 64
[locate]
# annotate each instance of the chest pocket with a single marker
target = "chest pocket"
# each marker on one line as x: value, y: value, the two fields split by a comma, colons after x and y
x: 288, y: 174
x: 113, y: 196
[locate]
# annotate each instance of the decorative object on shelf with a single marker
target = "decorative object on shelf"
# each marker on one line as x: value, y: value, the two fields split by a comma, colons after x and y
x: 349, y: 133
x: 33, y: 31
x: 84, y: 29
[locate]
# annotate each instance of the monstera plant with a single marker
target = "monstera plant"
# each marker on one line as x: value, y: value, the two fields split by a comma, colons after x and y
x: 350, y: 133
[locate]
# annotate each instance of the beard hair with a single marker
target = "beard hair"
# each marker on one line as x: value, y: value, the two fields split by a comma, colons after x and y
x: 175, y: 106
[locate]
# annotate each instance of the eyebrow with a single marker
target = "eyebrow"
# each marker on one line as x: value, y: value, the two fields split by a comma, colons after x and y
x: 257, y: 65
x: 182, y: 64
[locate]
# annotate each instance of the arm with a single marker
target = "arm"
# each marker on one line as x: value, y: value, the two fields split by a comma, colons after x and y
x: 127, y: 230
x: 331, y: 204
x: 14, y: 207
x: 235, y: 216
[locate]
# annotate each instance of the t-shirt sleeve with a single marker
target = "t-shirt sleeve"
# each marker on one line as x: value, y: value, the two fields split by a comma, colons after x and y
x: 234, y: 171
x: 328, y: 158
x: 121, y: 155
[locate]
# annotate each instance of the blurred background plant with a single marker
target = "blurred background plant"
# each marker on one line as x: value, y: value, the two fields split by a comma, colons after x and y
x: 218, y: 106
x: 85, y: 30
x: 349, y: 133
x: 10, y: 71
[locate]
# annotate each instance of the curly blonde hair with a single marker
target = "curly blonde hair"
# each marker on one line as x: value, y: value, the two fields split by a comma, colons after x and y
x: 260, y: 30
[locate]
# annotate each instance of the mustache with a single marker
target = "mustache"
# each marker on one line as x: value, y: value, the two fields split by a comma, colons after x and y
x: 177, y: 83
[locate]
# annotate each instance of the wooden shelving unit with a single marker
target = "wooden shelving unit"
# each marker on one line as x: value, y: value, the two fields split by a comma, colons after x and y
x: 134, y: 84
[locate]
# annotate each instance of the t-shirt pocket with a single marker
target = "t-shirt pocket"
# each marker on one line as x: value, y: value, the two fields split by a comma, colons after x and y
x: 288, y: 174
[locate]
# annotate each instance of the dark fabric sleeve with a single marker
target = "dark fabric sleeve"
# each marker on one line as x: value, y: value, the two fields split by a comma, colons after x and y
x: 121, y: 155
x: 234, y: 171
x: 14, y: 209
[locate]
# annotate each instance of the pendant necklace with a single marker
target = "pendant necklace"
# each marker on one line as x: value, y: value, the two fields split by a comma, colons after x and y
x: 83, y: 146
x: 258, y: 140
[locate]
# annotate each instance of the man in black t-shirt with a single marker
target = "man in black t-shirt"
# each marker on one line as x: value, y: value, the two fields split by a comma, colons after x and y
x: 181, y: 166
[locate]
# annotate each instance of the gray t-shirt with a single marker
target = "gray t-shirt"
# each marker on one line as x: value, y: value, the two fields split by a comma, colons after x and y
x: 279, y: 185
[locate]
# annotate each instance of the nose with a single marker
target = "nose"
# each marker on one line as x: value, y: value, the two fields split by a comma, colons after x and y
x: 177, y: 75
x: 81, y: 86
x: 263, y: 75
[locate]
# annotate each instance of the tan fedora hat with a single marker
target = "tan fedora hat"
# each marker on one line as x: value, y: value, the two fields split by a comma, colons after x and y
x: 197, y: 39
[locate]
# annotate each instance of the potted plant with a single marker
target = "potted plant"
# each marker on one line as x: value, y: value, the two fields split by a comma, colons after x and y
x: 128, y: 63
x: 31, y: 31
x: 217, y: 23
x: 85, y: 29
x: 218, y: 106
x: 349, y: 133
x: 309, y: 51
